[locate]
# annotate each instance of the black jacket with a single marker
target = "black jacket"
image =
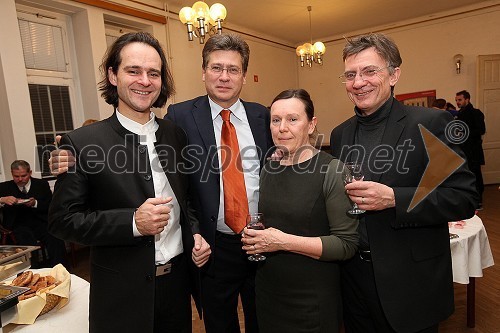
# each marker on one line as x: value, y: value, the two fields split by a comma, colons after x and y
x: 20, y: 214
x: 473, y: 146
x: 411, y: 249
x: 94, y: 205
x: 195, y: 118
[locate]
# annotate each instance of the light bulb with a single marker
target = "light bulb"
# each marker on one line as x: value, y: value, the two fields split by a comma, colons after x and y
x: 319, y: 47
x: 201, y: 10
x: 300, y: 50
x: 309, y: 48
x: 218, y: 11
x: 186, y: 15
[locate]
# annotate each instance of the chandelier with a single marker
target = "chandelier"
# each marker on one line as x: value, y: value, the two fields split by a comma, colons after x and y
x: 310, y: 53
x: 200, y: 20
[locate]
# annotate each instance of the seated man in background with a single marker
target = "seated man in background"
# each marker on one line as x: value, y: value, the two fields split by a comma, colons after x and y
x: 25, y: 202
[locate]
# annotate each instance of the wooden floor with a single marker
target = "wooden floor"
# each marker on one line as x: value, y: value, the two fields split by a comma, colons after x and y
x: 487, y: 287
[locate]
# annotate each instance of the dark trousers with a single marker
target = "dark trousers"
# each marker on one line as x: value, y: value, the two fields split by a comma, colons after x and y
x: 173, y: 299
x: 230, y: 274
x: 475, y: 167
x: 362, y: 310
x: 33, y: 232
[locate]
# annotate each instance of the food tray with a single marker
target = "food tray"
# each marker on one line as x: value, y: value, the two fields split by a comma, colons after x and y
x: 9, y: 294
x: 14, y: 259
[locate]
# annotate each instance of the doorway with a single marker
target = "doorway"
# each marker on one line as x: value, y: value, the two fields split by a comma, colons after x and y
x: 489, y: 102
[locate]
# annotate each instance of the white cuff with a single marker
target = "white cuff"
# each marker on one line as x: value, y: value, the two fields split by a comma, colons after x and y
x: 134, y: 228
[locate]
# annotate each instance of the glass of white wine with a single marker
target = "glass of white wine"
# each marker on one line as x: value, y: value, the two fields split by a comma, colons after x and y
x: 353, y: 172
x: 256, y: 221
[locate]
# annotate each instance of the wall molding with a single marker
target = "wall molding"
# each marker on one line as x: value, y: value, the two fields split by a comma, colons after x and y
x: 125, y: 10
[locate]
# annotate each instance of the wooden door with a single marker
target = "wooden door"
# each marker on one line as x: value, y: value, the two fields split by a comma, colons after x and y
x: 489, y: 102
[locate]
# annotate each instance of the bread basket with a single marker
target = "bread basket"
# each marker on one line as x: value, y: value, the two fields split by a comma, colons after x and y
x: 50, y: 302
x: 45, y: 300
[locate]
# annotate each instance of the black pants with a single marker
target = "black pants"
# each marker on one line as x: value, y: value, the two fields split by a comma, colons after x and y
x: 173, y: 299
x: 230, y: 274
x: 475, y: 167
x: 363, y: 312
x: 30, y: 234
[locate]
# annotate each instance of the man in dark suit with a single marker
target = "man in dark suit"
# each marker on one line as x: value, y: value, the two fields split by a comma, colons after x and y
x: 25, y: 203
x: 401, y: 280
x: 229, y: 273
x: 473, y: 145
x: 128, y: 198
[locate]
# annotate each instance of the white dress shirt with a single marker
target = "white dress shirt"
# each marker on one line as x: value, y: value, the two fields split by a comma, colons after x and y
x: 27, y: 188
x: 168, y: 243
x: 249, y: 157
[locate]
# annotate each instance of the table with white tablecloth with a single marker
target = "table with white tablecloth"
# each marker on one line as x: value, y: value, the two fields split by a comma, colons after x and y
x: 470, y: 254
x: 74, y: 317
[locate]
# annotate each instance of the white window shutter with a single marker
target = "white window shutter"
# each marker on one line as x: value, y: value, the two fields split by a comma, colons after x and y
x: 42, y: 46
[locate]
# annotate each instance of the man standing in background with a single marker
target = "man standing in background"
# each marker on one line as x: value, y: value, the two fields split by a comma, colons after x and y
x: 473, y: 145
x: 229, y: 273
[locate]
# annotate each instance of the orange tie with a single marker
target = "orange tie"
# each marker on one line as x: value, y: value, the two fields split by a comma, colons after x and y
x: 235, y: 194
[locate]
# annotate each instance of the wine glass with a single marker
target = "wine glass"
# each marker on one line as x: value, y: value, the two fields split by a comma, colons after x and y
x: 256, y: 221
x: 353, y: 172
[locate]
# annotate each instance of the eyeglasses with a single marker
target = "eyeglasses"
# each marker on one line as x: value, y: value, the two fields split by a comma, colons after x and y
x: 216, y: 69
x: 364, y: 75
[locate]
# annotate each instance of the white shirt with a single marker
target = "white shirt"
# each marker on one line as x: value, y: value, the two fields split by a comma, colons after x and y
x: 168, y: 243
x: 249, y: 157
x: 27, y: 188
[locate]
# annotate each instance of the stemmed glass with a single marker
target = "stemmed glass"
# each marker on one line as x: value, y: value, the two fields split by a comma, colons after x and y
x: 353, y: 172
x: 256, y: 221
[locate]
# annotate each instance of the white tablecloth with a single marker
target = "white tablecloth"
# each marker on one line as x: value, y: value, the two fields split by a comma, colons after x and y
x: 471, y: 252
x: 71, y: 318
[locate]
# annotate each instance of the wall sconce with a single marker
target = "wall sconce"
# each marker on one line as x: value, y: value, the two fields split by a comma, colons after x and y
x: 459, y: 60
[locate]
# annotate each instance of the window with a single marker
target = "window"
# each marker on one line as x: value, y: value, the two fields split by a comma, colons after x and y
x: 115, y: 30
x: 51, y: 107
x: 50, y: 79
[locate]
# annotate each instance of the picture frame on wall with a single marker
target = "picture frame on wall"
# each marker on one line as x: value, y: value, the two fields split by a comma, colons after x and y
x: 420, y: 98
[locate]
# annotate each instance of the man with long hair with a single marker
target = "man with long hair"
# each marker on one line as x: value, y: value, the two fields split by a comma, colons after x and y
x: 128, y: 198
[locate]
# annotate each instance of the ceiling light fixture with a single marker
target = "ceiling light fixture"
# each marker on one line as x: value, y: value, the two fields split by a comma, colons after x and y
x: 200, y: 20
x: 310, y: 53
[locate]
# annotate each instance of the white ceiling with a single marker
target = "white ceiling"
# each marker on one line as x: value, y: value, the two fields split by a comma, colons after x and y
x: 287, y: 21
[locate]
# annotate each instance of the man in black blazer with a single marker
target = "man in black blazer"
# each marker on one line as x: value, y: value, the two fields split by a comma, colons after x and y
x: 401, y: 280
x: 25, y: 203
x: 128, y: 198
x: 473, y: 144
x: 229, y: 273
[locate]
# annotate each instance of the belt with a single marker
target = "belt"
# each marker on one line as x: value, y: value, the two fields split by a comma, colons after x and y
x: 228, y: 236
x: 231, y: 239
x: 365, y: 255
x: 163, y: 269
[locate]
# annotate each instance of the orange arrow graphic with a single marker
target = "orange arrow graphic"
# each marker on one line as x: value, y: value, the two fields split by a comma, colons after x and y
x: 443, y: 161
